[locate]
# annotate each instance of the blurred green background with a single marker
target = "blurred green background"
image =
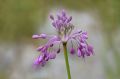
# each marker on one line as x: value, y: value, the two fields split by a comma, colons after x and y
x: 20, y: 19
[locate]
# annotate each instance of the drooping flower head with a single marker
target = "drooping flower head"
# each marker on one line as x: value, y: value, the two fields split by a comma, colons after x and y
x: 62, y: 23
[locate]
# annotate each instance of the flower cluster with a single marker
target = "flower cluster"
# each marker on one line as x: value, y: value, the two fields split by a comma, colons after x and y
x: 62, y: 23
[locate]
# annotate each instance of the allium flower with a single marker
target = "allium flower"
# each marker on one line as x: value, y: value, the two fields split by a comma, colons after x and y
x: 62, y: 23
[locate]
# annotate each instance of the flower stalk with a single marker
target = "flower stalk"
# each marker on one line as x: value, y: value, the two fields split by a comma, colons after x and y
x: 66, y: 60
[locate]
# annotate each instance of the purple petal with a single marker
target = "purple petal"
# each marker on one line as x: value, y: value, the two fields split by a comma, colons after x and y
x: 52, y: 40
x: 63, y: 13
x: 88, y: 53
x: 51, y: 45
x: 47, y: 58
x: 43, y: 63
x: 36, y: 36
x: 54, y: 24
x: 79, y: 53
x: 58, y: 24
x: 38, y: 60
x: 83, y: 44
x: 64, y: 19
x: 43, y: 36
x: 40, y: 48
x: 72, y: 51
x: 58, y: 51
x: 84, y: 35
x: 90, y: 49
x: 39, y: 36
x: 52, y: 55
x: 58, y: 17
x: 83, y: 52
x: 51, y: 17
x: 69, y: 19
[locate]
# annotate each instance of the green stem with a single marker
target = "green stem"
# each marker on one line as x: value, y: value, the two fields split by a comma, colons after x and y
x: 66, y: 60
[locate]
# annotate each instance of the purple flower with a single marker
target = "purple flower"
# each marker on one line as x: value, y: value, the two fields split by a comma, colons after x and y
x: 62, y: 23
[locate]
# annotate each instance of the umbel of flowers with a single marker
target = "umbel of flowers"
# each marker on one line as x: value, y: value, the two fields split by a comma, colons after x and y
x: 64, y: 27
